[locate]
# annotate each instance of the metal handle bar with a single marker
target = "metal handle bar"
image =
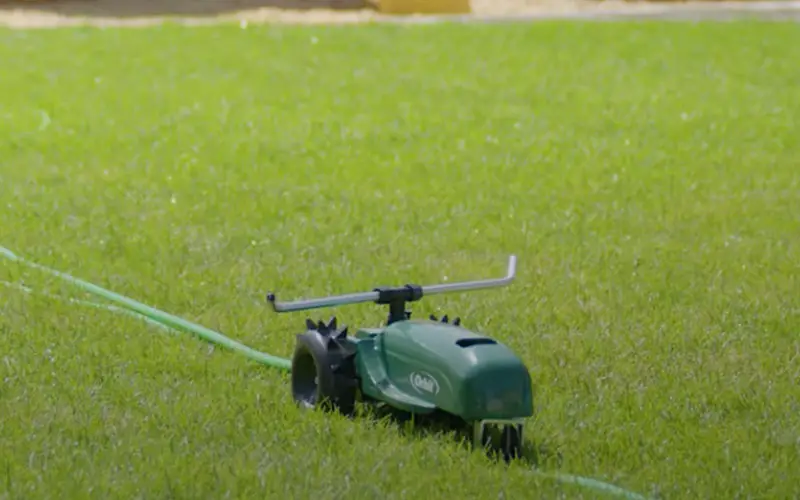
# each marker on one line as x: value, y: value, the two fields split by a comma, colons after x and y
x: 355, y: 298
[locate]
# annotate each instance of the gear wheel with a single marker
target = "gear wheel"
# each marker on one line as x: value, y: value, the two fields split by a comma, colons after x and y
x: 323, y: 368
x: 445, y: 319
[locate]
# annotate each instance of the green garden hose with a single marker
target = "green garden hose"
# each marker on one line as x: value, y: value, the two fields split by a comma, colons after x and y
x: 89, y: 303
x: 173, y: 323
x: 153, y: 314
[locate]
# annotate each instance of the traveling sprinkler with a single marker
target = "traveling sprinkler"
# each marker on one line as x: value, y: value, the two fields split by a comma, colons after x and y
x: 420, y: 367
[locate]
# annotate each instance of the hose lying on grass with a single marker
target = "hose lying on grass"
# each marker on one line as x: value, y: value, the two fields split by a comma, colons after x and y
x: 173, y: 323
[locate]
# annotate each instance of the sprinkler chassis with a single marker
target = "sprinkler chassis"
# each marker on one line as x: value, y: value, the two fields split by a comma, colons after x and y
x: 420, y: 367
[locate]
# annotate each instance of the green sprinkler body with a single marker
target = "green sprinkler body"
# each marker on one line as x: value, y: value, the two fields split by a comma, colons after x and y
x: 420, y: 367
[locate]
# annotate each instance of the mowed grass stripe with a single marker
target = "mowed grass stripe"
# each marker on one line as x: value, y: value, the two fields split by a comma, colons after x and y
x: 646, y: 175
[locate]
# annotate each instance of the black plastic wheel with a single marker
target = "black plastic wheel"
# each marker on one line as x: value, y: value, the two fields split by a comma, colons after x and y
x: 511, y: 442
x: 505, y: 441
x: 323, y: 369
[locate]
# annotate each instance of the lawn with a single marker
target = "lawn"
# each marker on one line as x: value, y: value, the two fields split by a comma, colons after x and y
x: 647, y: 176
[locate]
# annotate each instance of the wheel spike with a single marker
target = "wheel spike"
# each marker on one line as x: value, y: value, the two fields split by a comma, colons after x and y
x: 344, y: 366
x: 332, y: 323
x: 310, y: 324
x: 342, y: 334
x: 444, y: 319
x: 457, y: 321
x: 433, y: 318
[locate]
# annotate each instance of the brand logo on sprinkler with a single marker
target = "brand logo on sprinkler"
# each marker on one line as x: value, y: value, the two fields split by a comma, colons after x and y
x: 424, y: 382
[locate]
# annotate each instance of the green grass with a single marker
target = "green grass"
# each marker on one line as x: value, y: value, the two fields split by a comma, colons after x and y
x: 646, y: 175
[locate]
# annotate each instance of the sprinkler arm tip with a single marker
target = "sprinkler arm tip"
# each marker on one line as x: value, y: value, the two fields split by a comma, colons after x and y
x: 373, y: 296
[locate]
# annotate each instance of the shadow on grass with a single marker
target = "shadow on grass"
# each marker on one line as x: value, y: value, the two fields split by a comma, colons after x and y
x: 443, y: 425
x: 193, y: 8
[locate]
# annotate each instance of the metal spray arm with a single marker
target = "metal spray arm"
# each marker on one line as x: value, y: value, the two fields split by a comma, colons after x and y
x: 395, y: 297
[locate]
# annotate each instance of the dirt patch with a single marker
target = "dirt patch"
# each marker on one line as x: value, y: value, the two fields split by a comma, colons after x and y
x: 54, y: 13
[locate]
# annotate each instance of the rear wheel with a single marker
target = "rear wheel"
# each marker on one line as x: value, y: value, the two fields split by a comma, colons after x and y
x: 323, y: 369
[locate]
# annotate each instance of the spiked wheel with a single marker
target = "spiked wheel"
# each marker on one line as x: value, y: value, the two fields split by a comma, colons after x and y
x: 445, y: 319
x: 323, y: 368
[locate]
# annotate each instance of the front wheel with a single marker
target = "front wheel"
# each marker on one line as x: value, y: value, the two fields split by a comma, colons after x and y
x: 499, y: 438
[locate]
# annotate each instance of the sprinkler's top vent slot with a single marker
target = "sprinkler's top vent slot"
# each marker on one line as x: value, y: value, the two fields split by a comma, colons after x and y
x: 474, y: 341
